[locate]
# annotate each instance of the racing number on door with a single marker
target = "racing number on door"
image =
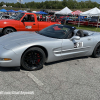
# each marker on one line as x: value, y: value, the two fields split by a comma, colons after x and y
x: 78, y: 44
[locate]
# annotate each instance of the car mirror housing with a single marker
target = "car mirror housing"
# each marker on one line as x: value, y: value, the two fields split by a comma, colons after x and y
x: 75, y: 38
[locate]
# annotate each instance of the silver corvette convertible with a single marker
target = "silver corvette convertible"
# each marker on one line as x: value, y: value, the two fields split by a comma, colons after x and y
x: 32, y: 49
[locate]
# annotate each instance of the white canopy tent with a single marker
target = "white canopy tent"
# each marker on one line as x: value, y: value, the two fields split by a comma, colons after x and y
x: 64, y: 11
x: 92, y: 12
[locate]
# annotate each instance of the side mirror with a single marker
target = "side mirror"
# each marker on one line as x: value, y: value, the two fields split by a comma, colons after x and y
x: 75, y: 38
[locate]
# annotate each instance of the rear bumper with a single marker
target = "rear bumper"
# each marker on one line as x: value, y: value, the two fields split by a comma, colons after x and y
x: 1, y: 30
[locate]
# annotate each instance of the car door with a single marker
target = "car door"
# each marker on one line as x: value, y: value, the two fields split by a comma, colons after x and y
x: 77, y: 48
x: 28, y: 23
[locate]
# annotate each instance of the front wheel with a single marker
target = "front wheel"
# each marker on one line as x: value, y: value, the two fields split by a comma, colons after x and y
x: 33, y: 59
x: 96, y: 52
x: 8, y: 30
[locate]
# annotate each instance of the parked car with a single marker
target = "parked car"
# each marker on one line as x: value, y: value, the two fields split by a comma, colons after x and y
x: 93, y: 20
x: 4, y: 17
x: 87, y: 19
x: 65, y: 20
x: 23, y: 22
x: 12, y: 17
x: 56, y: 42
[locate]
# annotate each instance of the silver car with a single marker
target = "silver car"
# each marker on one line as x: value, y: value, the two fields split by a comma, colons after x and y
x: 32, y: 49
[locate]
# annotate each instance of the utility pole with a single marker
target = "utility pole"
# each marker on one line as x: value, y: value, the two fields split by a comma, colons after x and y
x: 19, y: 2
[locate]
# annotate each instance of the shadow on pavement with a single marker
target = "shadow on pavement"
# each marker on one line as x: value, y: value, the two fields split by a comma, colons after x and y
x: 1, y: 34
x: 8, y: 69
x: 65, y: 60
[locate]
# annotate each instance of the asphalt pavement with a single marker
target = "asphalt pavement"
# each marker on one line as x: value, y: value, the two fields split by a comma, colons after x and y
x: 71, y: 79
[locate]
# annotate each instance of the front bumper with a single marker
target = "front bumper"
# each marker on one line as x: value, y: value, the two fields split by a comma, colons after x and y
x: 1, y: 30
x: 4, y: 53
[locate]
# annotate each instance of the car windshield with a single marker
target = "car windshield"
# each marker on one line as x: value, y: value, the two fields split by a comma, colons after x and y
x: 93, y: 20
x: 19, y: 16
x: 56, y: 31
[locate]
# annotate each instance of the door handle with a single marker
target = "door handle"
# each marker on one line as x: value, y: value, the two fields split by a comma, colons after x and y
x: 33, y: 24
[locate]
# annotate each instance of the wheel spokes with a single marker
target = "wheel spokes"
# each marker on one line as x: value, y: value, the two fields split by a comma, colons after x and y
x: 98, y: 51
x: 33, y: 58
x: 9, y: 31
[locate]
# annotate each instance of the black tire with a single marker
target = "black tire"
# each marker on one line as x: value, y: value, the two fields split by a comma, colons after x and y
x: 33, y: 59
x: 96, y: 52
x: 8, y: 30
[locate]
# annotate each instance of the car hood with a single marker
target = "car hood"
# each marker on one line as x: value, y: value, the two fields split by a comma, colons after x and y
x: 7, y: 21
x: 22, y: 37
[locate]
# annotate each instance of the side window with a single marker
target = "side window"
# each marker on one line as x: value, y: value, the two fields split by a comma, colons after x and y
x: 25, y: 18
x: 32, y: 18
x: 29, y: 18
x: 70, y: 35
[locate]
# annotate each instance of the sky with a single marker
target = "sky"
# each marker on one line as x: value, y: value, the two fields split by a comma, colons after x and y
x: 10, y: 1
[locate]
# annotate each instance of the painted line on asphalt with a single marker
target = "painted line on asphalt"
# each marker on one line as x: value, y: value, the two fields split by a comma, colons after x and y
x: 35, y: 79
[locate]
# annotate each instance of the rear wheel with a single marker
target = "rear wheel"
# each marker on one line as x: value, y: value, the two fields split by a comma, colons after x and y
x: 96, y: 52
x: 8, y: 30
x: 33, y: 59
